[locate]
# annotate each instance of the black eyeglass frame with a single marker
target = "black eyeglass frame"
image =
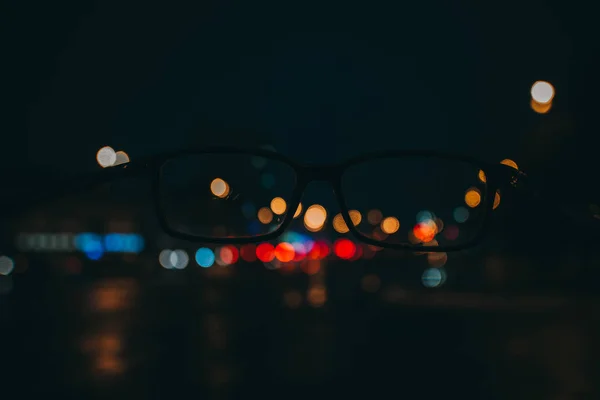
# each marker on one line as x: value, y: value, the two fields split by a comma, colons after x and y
x: 496, y: 175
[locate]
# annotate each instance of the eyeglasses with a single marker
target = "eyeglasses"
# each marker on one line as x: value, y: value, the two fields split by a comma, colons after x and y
x: 405, y: 200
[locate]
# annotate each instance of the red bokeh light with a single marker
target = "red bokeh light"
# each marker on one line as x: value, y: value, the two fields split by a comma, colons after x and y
x: 265, y: 252
x: 451, y: 232
x: 311, y: 267
x: 344, y: 249
x: 320, y: 250
x: 425, y: 231
x: 285, y: 252
x: 248, y: 252
x: 229, y: 254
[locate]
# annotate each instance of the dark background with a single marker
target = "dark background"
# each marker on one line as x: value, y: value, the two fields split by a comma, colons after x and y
x: 319, y: 82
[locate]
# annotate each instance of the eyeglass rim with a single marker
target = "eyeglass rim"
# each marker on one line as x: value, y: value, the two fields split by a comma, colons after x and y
x: 305, y: 173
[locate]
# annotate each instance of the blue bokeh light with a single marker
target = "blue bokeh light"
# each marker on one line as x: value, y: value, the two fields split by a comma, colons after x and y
x: 205, y: 257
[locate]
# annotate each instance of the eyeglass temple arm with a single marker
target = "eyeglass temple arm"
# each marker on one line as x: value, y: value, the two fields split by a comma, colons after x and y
x: 37, y: 193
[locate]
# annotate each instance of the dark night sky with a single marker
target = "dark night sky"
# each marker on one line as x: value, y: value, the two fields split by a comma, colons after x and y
x: 145, y: 78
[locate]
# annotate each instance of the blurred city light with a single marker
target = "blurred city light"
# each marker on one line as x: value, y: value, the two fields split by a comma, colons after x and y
x: 355, y: 217
x: 229, y: 254
x: 205, y: 257
x: 473, y: 197
x: 106, y: 156
x: 510, y: 163
x: 314, y: 217
x: 433, y: 277
x: 219, y: 188
x: 278, y: 205
x: 265, y: 215
x: 497, y: 199
x: 542, y: 92
x: 542, y: 95
x: 425, y: 231
x: 317, y: 295
x: 540, y: 108
x: 248, y: 252
x: 344, y: 249
x: 390, y: 225
x: 265, y: 252
x: 298, y: 210
x: 121, y: 158
x: 461, y: 214
x: 481, y: 176
x: 374, y: 217
x: 7, y: 265
x: 339, y: 225
x: 285, y: 252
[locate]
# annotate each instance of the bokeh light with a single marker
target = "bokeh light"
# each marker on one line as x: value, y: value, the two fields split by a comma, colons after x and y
x: 205, y: 257
x: 473, y: 197
x: 425, y: 231
x: 390, y: 225
x: 278, y: 205
x: 374, y: 217
x: 285, y: 252
x: 540, y: 108
x: 7, y: 265
x: 461, y: 214
x: 219, y: 188
x: 265, y: 215
x: 314, y: 217
x: 121, y: 158
x: 298, y: 210
x: 510, y: 163
x: 542, y: 92
x: 481, y: 176
x: 265, y: 252
x: 355, y: 217
x: 106, y: 156
x: 497, y: 199
x: 317, y: 295
x: 339, y: 224
x: 433, y: 277
x: 229, y: 254
x: 344, y: 249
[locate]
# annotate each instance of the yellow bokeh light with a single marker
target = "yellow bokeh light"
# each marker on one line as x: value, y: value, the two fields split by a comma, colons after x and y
x: 278, y: 205
x: 510, y: 163
x: 542, y: 92
x: 298, y: 210
x: 219, y: 188
x: 472, y: 197
x: 355, y: 217
x: 540, y: 108
x: 497, y: 200
x: 317, y: 295
x: 374, y: 217
x: 265, y: 215
x: 339, y: 224
x: 481, y: 176
x: 390, y: 225
x: 314, y: 217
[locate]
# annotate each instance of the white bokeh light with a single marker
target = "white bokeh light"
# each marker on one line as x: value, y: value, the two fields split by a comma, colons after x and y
x: 121, y: 158
x: 542, y: 92
x: 106, y: 156
x: 6, y: 265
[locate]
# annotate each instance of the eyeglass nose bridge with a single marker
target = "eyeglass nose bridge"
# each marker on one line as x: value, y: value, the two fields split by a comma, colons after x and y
x: 320, y: 172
